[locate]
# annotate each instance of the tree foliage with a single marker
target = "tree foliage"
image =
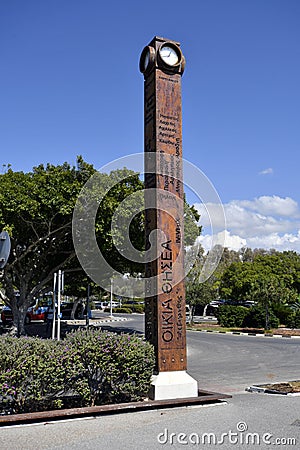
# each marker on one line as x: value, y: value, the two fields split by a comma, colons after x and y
x: 198, y: 293
x: 268, y: 277
x: 36, y: 208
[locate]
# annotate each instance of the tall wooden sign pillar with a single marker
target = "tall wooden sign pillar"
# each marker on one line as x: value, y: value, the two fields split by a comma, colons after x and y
x: 162, y: 65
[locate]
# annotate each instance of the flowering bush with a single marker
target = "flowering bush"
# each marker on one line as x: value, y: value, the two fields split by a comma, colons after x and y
x: 34, y: 374
x: 117, y: 368
x: 87, y: 368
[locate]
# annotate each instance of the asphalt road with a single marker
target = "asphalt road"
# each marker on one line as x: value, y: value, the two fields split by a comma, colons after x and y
x: 223, y: 363
x: 229, y: 363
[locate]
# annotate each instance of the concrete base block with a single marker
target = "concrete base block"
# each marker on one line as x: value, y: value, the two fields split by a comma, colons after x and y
x: 172, y: 385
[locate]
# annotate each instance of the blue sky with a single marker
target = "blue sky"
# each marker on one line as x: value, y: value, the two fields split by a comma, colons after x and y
x: 70, y: 85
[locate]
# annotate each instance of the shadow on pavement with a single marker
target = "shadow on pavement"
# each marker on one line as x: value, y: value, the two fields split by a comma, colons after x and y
x: 121, y: 330
x: 40, y: 329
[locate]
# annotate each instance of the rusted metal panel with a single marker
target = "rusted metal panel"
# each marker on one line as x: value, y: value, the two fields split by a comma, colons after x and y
x: 165, y: 311
x: 204, y: 397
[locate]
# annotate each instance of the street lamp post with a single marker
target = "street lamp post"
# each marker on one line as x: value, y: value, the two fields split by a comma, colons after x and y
x: 87, y: 320
x: 111, y: 296
x: 58, y: 304
x: 54, y: 305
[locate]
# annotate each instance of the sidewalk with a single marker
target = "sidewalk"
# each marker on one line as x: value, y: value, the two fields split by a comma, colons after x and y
x: 247, y: 421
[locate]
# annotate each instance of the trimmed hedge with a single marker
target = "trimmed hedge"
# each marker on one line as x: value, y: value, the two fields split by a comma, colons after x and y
x: 89, y: 367
x: 117, y: 368
x: 240, y: 316
x: 127, y: 309
x: 121, y: 310
x: 257, y: 318
x: 231, y: 316
x: 293, y: 320
x: 135, y: 307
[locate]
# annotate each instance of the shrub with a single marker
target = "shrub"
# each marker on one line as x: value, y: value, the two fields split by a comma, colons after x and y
x: 139, y: 309
x: 281, y: 311
x: 297, y: 319
x: 257, y: 318
x: 239, y: 316
x: 290, y: 320
x: 122, y: 310
x: 117, y: 368
x: 35, y: 374
x: 231, y: 316
x: 293, y: 320
x: 88, y: 367
x: 135, y: 307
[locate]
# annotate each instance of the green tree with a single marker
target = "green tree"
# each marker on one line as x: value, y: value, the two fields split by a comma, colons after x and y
x: 191, y: 229
x: 269, y: 292
x: 269, y: 278
x: 197, y: 292
x: 240, y: 277
x: 36, y: 208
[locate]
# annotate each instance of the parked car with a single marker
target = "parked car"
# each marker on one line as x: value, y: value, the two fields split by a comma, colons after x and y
x: 98, y: 305
x: 33, y: 313
x: 248, y: 303
x: 66, y: 309
x: 105, y: 305
x: 6, y: 315
x: 39, y: 313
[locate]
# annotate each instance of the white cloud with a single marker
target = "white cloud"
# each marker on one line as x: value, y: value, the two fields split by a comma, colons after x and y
x: 223, y: 238
x: 273, y: 205
x: 288, y: 241
x: 268, y: 171
x: 265, y: 222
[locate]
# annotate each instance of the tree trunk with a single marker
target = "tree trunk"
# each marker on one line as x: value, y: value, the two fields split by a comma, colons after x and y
x: 18, y: 319
x: 19, y: 304
x: 76, y: 302
x: 267, y: 318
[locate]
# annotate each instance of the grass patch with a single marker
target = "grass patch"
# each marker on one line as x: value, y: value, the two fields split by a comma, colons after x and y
x: 291, y: 387
x: 209, y: 327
